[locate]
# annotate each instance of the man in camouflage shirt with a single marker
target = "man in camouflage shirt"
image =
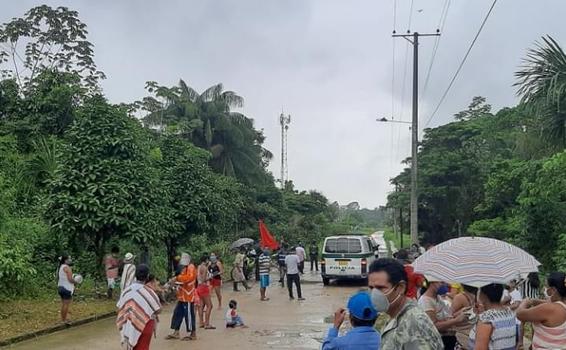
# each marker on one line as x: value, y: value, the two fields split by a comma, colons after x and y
x: 409, y: 328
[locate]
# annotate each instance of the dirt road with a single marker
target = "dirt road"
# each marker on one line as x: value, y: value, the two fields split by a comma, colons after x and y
x: 276, y: 324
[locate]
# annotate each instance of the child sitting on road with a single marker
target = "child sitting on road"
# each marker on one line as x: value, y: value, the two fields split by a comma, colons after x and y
x: 233, y: 320
x: 362, y: 318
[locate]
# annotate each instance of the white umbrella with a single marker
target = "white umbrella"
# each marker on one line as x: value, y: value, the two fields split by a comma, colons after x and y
x: 475, y: 261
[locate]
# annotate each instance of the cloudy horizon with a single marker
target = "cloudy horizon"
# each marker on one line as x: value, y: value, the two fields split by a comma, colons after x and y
x: 327, y: 63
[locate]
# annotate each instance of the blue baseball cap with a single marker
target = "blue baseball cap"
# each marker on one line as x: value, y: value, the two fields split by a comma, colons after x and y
x: 361, y: 307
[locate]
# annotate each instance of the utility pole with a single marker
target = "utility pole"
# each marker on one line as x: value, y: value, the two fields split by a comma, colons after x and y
x: 415, y: 130
x: 284, y: 120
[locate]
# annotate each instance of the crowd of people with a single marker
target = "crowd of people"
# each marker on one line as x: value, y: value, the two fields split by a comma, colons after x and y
x: 422, y: 314
x: 437, y: 315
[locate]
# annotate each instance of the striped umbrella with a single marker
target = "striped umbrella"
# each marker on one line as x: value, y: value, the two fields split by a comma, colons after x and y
x: 475, y: 261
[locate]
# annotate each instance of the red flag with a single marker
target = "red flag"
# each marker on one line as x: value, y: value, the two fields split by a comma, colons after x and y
x: 266, y: 240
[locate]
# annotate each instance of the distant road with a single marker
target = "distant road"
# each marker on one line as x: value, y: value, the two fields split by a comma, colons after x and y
x: 379, y: 239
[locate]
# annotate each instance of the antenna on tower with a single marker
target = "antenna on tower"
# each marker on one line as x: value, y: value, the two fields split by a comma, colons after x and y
x: 284, y: 120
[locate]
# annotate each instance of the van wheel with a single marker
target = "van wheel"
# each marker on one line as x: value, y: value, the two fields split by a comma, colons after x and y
x: 325, y: 281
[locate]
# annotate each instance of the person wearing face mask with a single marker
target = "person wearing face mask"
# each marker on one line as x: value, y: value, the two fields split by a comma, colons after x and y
x: 185, y: 308
x: 65, y: 285
x: 496, y: 328
x: 409, y: 328
x: 548, y: 317
x: 216, y: 270
x: 440, y: 314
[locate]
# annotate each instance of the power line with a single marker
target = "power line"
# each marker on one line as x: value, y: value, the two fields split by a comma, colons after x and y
x: 393, y: 82
x: 440, y: 27
x: 403, y: 109
x: 461, y: 64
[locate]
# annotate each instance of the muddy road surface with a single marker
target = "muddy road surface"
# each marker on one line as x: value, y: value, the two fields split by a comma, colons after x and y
x: 279, y: 323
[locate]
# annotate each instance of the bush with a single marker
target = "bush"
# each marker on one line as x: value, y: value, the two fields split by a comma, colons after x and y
x: 20, y: 263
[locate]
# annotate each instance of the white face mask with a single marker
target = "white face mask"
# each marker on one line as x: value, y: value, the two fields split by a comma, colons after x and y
x: 380, y: 301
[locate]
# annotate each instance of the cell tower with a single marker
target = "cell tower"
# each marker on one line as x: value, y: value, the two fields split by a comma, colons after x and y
x: 284, y: 120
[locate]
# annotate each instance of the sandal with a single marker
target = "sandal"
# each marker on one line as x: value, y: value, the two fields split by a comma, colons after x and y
x: 209, y: 327
x: 172, y: 336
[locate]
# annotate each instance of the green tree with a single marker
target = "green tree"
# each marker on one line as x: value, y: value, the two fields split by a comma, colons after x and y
x: 103, y: 188
x: 542, y: 212
x: 47, y: 39
x: 207, y: 120
x: 200, y: 201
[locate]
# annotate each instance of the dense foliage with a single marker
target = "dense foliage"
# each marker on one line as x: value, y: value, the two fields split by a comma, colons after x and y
x: 500, y: 174
x: 176, y: 171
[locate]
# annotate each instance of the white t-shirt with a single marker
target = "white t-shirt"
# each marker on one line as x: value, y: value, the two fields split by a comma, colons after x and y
x: 300, y: 251
x: 516, y: 296
x: 292, y: 263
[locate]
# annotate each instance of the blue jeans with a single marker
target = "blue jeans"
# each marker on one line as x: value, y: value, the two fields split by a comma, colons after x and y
x: 236, y: 321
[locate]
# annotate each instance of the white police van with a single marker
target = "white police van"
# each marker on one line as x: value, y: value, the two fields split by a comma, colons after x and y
x: 346, y: 257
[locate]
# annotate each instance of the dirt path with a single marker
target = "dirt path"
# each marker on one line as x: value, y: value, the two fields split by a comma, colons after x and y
x: 276, y: 324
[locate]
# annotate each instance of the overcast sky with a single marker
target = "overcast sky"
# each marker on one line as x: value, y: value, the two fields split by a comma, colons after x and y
x: 327, y: 63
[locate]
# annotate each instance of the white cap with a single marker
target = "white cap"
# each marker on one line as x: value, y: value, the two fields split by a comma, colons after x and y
x: 129, y: 257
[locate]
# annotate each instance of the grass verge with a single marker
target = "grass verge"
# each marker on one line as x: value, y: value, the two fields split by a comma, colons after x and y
x: 19, y: 317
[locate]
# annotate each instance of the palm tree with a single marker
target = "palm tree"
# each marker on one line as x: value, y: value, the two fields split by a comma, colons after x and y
x: 542, y: 86
x: 206, y: 119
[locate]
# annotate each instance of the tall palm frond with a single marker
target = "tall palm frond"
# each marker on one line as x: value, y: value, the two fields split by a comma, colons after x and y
x: 240, y: 119
x: 187, y: 92
x: 541, y: 84
x: 543, y: 74
x: 231, y: 99
x: 212, y: 93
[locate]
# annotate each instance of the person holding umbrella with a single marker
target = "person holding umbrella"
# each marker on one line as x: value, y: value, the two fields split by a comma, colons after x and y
x: 548, y: 318
x: 238, y: 270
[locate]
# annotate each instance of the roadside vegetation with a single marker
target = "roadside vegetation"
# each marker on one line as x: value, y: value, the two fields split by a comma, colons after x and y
x: 500, y: 173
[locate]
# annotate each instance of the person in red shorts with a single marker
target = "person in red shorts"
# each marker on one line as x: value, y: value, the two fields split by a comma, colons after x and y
x: 203, y: 291
x: 216, y: 270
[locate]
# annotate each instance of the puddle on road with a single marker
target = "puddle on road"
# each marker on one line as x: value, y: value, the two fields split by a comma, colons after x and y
x: 291, y: 339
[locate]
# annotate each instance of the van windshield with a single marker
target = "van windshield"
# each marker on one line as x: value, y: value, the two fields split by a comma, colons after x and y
x: 343, y: 245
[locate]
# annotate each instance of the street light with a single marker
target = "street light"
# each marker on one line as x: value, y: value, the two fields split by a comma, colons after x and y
x: 385, y: 120
x: 414, y: 154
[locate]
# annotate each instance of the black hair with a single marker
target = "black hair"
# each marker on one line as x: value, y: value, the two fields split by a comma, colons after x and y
x: 493, y: 292
x: 533, y: 279
x: 394, y: 269
x: 558, y: 280
x: 115, y: 249
x: 203, y: 258
x: 356, y: 322
x: 470, y: 289
x: 142, y: 272
x: 63, y: 258
x: 233, y: 304
x: 403, y: 254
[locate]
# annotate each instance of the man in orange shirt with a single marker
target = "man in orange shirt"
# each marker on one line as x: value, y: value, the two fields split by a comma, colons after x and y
x: 185, y: 309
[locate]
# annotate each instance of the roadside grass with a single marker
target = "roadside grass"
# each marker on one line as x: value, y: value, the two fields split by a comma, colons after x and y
x: 23, y: 316
x: 389, y: 236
